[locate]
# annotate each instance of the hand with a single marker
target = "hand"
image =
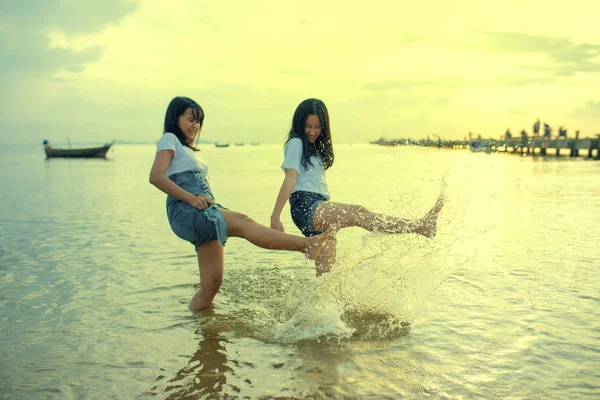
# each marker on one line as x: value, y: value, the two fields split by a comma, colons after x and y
x: 276, y: 224
x: 201, y: 202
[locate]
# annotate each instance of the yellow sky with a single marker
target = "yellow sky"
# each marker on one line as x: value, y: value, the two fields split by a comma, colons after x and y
x: 102, y: 70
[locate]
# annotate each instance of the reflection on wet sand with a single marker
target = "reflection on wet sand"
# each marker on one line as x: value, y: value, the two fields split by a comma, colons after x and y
x: 225, y: 362
x: 205, y: 374
x: 311, y: 369
x: 318, y: 374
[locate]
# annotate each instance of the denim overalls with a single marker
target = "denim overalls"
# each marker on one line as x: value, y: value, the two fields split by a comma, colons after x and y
x: 189, y: 223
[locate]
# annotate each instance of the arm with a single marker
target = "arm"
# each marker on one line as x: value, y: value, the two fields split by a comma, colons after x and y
x: 284, y: 194
x: 159, y: 179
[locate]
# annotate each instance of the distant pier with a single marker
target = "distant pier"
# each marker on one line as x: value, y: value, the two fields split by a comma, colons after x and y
x: 547, y: 147
x: 538, y: 146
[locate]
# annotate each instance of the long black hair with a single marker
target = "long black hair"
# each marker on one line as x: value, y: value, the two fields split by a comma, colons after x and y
x: 322, y: 145
x: 176, y: 109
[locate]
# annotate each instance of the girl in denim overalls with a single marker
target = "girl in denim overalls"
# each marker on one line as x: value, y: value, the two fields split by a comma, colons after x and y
x: 194, y: 214
x: 308, y: 154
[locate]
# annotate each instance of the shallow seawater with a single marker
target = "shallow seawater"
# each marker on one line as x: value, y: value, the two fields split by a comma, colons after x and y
x: 503, y: 303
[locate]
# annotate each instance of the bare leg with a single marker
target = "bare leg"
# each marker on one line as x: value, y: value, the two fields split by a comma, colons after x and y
x: 326, y: 257
x: 240, y: 225
x: 210, y: 262
x: 342, y: 215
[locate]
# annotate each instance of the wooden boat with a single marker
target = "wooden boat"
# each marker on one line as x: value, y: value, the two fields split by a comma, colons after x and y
x: 221, y: 144
x: 92, y: 152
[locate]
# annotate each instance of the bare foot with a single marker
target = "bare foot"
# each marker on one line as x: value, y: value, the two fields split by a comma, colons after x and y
x: 428, y: 224
x: 314, y: 243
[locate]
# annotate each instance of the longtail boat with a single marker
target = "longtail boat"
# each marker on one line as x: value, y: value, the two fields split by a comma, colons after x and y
x: 92, y: 152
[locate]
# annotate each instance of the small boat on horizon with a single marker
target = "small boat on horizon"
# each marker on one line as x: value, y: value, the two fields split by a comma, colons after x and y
x: 221, y: 144
x: 483, y: 147
x: 90, y: 152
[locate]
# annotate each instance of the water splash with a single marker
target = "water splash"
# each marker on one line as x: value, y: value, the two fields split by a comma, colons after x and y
x: 443, y: 186
x: 372, y: 293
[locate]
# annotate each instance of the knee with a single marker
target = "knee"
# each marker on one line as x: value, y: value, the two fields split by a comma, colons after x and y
x: 353, y: 216
x: 205, y: 295
x: 211, y: 287
x: 360, y: 210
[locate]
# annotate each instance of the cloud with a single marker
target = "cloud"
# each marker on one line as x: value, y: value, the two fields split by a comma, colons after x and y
x: 408, y: 84
x: 30, y: 61
x: 26, y: 24
x: 457, y: 83
x: 396, y: 103
x: 439, y: 102
x: 409, y: 38
x: 524, y: 80
x: 589, y: 110
x: 567, y: 70
x: 36, y: 56
x: 565, y: 57
x: 296, y: 73
x: 71, y: 16
x: 517, y: 112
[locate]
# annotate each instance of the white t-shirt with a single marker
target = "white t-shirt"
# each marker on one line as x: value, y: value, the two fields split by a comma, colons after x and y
x: 184, y: 158
x: 311, y: 179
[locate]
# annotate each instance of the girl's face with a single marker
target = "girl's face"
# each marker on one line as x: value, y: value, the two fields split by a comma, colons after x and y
x: 312, y: 128
x: 188, y: 124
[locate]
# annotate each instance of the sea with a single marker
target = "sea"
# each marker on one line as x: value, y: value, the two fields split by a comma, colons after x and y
x: 504, y: 303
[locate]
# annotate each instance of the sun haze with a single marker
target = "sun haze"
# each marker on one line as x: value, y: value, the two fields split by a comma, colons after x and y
x: 97, y: 71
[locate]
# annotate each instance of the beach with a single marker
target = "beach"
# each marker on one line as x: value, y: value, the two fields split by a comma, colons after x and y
x: 503, y: 303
